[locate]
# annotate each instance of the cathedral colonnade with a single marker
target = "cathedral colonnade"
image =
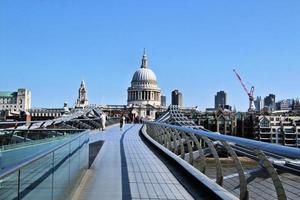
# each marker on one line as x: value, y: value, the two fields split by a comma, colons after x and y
x: 144, y: 95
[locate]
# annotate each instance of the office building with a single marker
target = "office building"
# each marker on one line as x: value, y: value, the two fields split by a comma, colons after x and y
x: 220, y: 99
x: 269, y: 102
x: 259, y: 104
x: 163, y: 101
x: 177, y: 98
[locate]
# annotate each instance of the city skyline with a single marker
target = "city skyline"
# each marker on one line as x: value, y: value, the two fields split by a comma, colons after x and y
x: 196, y: 43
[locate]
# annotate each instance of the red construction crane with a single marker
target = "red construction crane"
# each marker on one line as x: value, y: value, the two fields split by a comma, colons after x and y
x: 250, y: 94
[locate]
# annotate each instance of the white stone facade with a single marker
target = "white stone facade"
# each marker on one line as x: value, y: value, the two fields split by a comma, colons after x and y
x: 15, y: 102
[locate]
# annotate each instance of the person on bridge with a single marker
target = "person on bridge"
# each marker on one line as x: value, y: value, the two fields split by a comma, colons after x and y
x: 103, y: 121
x: 122, y: 121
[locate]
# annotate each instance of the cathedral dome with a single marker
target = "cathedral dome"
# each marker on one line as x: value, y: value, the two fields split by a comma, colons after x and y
x: 144, y: 75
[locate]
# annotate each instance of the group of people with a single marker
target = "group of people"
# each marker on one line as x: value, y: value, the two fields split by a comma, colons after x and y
x: 103, y: 118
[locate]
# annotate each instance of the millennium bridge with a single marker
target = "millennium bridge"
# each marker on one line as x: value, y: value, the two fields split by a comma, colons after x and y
x: 170, y: 158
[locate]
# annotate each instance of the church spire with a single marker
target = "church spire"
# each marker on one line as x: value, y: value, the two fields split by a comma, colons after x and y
x: 82, y: 100
x: 144, y: 60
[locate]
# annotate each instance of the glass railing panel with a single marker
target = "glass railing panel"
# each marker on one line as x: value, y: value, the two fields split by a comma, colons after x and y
x: 36, y: 179
x: 23, y: 152
x: 75, y: 161
x: 84, y: 153
x: 39, y: 141
x: 53, y: 175
x: 9, y: 186
x: 62, y: 182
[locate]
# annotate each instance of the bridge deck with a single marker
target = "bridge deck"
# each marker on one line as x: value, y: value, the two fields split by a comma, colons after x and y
x: 126, y: 168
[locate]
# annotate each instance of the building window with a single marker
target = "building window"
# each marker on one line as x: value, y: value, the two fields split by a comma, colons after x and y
x: 264, y: 123
x: 289, y: 130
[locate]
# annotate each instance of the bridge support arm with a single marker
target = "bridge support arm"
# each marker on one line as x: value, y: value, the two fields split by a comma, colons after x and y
x: 273, y: 174
x: 214, y: 152
x: 244, y: 194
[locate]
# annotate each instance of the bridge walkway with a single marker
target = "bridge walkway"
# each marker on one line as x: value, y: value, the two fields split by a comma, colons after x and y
x: 126, y: 168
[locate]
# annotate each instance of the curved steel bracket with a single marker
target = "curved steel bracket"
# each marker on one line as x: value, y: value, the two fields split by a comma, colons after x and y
x: 273, y: 174
x: 182, y: 155
x: 163, y: 136
x: 175, y: 145
x: 190, y: 149
x: 160, y: 135
x: 201, y: 154
x: 155, y: 133
x: 151, y: 131
x: 244, y: 194
x: 219, y: 173
x: 168, y: 138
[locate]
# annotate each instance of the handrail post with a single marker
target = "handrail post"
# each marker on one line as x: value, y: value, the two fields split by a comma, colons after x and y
x: 79, y: 150
x: 19, y: 183
x: 70, y: 163
x: 52, y: 187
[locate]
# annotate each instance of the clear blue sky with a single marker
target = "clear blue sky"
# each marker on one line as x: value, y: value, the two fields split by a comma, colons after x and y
x: 48, y: 46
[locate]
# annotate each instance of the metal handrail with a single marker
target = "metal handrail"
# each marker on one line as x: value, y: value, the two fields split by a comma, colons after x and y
x: 24, y: 122
x: 288, y: 152
x: 41, y: 129
x: 40, y: 141
x: 6, y: 172
x: 218, y: 190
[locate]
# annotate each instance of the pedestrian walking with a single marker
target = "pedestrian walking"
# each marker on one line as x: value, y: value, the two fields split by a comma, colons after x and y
x: 103, y: 121
x: 122, y: 122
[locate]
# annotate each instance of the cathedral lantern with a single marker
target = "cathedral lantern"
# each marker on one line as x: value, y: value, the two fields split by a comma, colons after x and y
x: 82, y: 100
